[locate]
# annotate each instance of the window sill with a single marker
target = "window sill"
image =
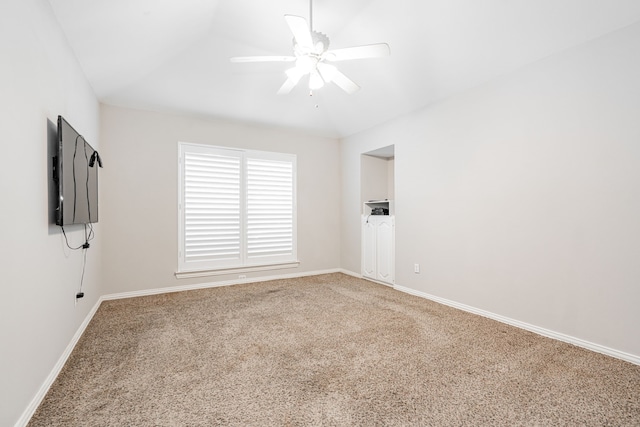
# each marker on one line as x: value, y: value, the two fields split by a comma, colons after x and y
x: 235, y: 270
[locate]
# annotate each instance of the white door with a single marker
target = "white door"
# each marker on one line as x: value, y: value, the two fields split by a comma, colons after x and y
x: 369, y: 247
x: 384, y: 249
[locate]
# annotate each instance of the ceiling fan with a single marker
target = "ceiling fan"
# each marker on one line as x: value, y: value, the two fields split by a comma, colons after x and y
x: 312, y: 57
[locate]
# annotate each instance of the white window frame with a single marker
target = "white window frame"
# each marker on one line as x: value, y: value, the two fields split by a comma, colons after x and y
x: 189, y: 268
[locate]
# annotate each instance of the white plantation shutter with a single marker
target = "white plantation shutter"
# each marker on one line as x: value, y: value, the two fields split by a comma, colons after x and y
x: 270, y: 209
x: 237, y: 208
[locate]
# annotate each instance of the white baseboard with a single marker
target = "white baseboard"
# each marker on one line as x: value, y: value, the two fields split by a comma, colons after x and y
x: 181, y: 288
x: 526, y: 326
x: 351, y: 273
x: 42, y: 392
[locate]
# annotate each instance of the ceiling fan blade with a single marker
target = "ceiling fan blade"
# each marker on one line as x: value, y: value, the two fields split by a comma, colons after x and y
x: 288, y: 86
x: 378, y: 50
x: 263, y: 59
x: 300, y: 29
x: 344, y: 82
x: 293, y: 77
x: 327, y: 71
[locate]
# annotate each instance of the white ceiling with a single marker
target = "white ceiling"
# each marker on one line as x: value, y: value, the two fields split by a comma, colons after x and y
x: 173, y: 55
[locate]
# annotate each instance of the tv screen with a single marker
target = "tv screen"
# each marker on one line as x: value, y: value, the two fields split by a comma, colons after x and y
x: 77, y: 177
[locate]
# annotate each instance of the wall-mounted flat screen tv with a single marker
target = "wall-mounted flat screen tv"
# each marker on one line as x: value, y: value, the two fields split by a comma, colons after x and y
x: 76, y: 172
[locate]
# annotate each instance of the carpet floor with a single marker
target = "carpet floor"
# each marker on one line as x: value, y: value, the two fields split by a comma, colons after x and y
x: 329, y: 350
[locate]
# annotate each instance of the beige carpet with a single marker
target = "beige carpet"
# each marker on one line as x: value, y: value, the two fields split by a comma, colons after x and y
x: 326, y: 350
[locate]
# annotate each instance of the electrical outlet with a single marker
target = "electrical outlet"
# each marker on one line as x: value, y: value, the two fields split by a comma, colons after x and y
x: 416, y: 268
x: 242, y: 276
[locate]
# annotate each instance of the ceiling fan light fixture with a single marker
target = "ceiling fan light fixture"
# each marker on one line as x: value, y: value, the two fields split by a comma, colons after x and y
x: 306, y: 64
x: 315, y: 80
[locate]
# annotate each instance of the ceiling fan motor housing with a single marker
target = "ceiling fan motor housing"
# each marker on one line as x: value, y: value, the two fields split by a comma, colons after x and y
x: 320, y: 45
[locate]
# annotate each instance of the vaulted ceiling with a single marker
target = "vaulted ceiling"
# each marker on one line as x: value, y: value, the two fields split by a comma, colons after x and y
x: 173, y: 55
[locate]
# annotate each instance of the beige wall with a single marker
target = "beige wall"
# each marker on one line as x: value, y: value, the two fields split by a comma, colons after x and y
x: 39, y: 80
x: 522, y: 197
x: 139, y: 206
x: 519, y: 197
x: 374, y: 178
x: 391, y: 176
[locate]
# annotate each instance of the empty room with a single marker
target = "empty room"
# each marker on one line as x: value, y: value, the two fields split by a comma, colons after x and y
x: 320, y: 212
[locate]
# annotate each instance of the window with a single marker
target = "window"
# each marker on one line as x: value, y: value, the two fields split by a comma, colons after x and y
x: 237, y: 209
